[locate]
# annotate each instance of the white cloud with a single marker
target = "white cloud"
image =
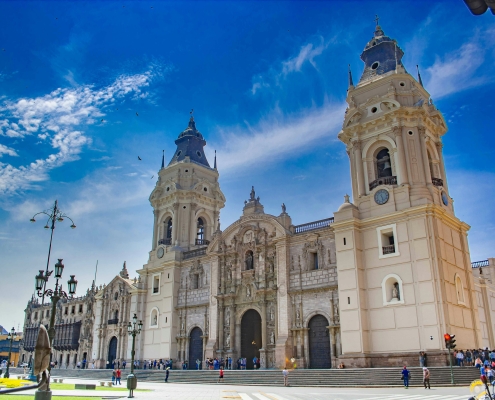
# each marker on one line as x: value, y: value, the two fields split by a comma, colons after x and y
x: 7, y: 150
x: 58, y: 115
x: 277, y: 137
x: 307, y: 53
x: 103, y: 158
x: 131, y: 174
x: 461, y: 69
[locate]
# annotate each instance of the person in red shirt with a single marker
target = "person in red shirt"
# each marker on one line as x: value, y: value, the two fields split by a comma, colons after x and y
x: 118, y: 376
x: 221, y: 375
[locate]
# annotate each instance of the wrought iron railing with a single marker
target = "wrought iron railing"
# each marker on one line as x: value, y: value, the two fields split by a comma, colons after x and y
x: 311, y: 226
x: 194, y: 253
x: 478, y: 264
x: 437, y: 181
x: 114, y: 321
x: 387, y: 180
x: 388, y: 249
x: 166, y: 241
x: 202, y: 242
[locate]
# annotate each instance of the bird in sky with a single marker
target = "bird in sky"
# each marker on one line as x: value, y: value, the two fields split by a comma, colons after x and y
x: 153, y: 175
x: 102, y: 120
x: 137, y: 114
x: 139, y: 158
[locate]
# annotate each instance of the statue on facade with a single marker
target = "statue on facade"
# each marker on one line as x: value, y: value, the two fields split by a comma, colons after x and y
x: 252, y: 194
x: 227, y: 340
x: 272, y: 338
x: 249, y: 261
x: 272, y: 315
x: 227, y: 317
x: 248, y: 291
x: 284, y: 209
x: 395, y: 292
x: 155, y: 320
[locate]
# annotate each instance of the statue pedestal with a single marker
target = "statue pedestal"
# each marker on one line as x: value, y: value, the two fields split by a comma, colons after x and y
x: 263, y: 359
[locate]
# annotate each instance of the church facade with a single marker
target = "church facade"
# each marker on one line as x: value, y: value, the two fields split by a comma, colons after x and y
x: 381, y: 280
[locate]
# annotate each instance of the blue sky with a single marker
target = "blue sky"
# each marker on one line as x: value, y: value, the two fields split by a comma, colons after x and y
x: 267, y: 82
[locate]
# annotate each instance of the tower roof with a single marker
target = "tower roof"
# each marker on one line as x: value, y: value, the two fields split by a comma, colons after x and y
x: 380, y: 55
x: 190, y: 143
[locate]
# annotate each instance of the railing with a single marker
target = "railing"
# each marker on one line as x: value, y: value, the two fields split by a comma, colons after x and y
x: 437, y: 181
x: 114, y: 321
x: 202, y: 242
x: 194, y: 253
x: 167, y: 241
x: 311, y: 226
x: 388, y: 249
x: 478, y: 264
x: 387, y: 180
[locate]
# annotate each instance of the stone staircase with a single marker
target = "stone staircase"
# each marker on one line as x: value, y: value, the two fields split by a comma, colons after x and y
x: 352, y: 377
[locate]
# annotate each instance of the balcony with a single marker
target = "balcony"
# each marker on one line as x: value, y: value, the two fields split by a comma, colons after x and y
x: 202, y: 242
x: 114, y: 321
x: 193, y: 253
x: 479, y: 264
x: 386, y: 180
x: 311, y: 226
x: 166, y: 241
x: 437, y: 182
x: 388, y: 249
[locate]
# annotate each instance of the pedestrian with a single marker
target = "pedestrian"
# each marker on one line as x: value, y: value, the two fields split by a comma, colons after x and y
x: 114, y: 376
x: 198, y: 363
x: 478, y: 363
x: 255, y: 361
x: 118, y: 375
x: 421, y: 359
x: 166, y: 374
x: 78, y: 365
x: 124, y: 363
x: 426, y: 377
x: 405, y: 377
x: 460, y: 358
x: 469, y: 357
x: 285, y: 373
x: 220, y: 376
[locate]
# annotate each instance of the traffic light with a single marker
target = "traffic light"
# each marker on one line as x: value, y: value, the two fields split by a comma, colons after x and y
x: 449, y: 341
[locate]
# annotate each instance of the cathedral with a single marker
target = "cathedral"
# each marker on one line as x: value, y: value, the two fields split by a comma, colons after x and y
x: 381, y: 280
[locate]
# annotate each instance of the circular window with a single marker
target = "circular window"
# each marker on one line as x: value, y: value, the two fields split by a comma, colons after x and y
x: 375, y: 65
x: 205, y: 189
x: 198, y: 153
x: 402, y: 84
x: 374, y: 110
x: 184, y: 207
x: 187, y: 170
x: 410, y: 132
x: 179, y: 153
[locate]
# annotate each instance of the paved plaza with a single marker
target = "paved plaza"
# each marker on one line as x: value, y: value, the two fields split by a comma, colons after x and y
x: 178, y: 391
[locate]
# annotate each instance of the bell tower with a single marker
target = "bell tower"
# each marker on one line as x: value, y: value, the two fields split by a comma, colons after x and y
x: 402, y: 254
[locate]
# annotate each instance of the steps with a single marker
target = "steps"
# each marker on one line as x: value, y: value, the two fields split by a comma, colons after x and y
x: 352, y: 377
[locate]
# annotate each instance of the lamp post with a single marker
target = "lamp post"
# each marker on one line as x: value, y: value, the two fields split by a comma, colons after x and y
x: 11, y: 336
x: 132, y: 331
x: 55, y: 295
x: 54, y: 214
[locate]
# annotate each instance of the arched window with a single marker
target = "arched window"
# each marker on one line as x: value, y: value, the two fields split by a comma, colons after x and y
x: 383, y: 165
x: 249, y: 261
x: 459, y: 289
x: 168, y: 228
x: 201, y: 230
x: 116, y: 314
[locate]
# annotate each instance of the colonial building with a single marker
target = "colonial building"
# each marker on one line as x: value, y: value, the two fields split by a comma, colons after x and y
x: 380, y: 281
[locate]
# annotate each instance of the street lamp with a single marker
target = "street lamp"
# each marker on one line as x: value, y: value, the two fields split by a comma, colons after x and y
x: 55, y: 295
x: 11, y: 336
x: 132, y: 331
x: 54, y: 214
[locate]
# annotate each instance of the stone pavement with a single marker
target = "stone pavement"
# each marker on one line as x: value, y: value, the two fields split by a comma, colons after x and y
x: 178, y: 391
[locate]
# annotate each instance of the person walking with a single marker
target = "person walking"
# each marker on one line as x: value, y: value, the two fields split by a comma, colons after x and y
x: 118, y: 375
x: 124, y: 363
x: 405, y: 377
x: 166, y: 374
x: 198, y: 363
x: 426, y: 377
x: 285, y: 373
x: 114, y: 376
x: 220, y: 376
x: 255, y: 361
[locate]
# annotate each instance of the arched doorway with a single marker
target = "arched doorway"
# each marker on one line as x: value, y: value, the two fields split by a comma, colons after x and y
x: 195, y: 348
x: 112, y: 352
x: 250, y: 337
x: 319, y: 343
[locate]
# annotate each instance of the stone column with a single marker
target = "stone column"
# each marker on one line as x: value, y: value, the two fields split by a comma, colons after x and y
x: 402, y: 155
x: 205, y: 340
x: 298, y: 335
x: 220, y: 324
x: 333, y: 347
x: 193, y: 224
x: 175, y: 222
x: 358, y: 159
x: 232, y: 328
x: 307, y: 361
x: 155, y: 229
x: 426, y: 165
x: 263, y: 325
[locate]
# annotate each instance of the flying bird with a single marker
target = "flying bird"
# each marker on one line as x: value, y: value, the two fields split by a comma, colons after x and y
x: 139, y: 158
x: 153, y: 175
x: 102, y: 120
x: 137, y: 114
